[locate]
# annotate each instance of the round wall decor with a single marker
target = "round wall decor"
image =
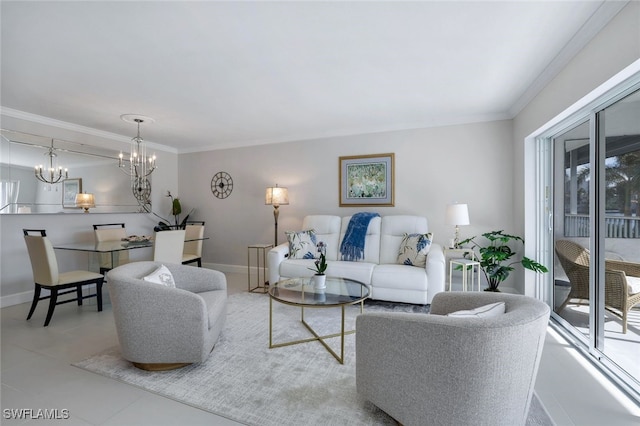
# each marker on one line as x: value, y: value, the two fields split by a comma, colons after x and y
x: 221, y: 185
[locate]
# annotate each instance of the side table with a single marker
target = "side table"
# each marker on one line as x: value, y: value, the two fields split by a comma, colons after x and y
x: 466, y: 264
x: 258, y: 248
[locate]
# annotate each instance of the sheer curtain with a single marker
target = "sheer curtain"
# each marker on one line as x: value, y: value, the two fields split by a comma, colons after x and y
x: 9, y: 195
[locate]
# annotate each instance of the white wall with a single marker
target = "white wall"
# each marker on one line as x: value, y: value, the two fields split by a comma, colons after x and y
x: 613, y: 49
x: 433, y: 167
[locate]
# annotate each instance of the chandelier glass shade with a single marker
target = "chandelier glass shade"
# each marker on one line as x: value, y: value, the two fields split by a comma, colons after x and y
x: 52, y: 173
x: 140, y: 164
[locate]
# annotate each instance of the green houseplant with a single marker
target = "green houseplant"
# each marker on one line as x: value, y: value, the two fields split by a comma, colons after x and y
x: 495, y: 256
x: 176, y: 210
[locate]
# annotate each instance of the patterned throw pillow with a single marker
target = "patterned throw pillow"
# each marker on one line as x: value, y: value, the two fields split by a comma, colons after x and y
x: 161, y: 276
x: 414, y: 249
x: 302, y: 245
x: 487, y: 311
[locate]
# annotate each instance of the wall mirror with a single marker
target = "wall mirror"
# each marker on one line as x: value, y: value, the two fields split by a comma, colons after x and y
x: 91, y: 169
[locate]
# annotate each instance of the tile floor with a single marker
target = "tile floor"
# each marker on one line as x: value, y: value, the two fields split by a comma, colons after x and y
x: 36, y: 372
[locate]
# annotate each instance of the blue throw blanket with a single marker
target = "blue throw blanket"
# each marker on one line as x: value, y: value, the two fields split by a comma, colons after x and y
x: 352, y: 247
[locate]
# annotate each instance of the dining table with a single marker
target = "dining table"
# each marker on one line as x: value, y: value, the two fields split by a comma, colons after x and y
x: 111, y: 247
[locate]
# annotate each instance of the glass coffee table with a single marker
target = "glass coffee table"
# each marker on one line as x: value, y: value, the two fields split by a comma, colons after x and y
x: 300, y: 292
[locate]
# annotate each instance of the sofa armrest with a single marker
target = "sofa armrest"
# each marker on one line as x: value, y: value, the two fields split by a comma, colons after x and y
x: 274, y: 258
x: 435, y: 268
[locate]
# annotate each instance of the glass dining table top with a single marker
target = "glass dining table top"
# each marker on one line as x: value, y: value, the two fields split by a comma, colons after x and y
x: 110, y: 246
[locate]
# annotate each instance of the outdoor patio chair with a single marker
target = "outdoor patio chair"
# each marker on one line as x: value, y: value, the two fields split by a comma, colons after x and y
x: 622, y: 280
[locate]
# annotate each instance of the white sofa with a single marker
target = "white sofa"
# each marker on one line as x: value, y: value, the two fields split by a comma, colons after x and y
x: 379, y: 269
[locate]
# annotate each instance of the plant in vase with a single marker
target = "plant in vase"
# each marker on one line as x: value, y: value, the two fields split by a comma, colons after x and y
x: 176, y: 210
x: 495, y: 254
x: 320, y: 266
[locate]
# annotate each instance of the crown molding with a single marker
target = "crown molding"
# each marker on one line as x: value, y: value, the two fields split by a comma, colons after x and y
x: 46, y: 121
x: 600, y: 18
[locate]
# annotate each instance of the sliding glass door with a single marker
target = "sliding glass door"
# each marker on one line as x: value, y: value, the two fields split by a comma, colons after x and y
x: 596, y: 234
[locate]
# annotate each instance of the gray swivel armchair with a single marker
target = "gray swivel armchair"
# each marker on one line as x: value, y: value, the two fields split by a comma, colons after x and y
x: 160, y: 327
x: 439, y: 370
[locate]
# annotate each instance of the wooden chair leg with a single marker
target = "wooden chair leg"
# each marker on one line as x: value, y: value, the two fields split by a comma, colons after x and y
x: 52, y: 304
x: 36, y: 298
x: 79, y: 294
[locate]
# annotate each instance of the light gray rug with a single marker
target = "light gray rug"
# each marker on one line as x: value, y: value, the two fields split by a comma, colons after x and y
x: 245, y: 381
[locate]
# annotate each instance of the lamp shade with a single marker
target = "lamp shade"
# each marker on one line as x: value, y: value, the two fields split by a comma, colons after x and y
x: 276, y: 196
x: 457, y: 214
x: 85, y: 201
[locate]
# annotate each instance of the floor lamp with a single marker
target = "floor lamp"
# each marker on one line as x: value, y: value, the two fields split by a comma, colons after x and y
x: 276, y: 196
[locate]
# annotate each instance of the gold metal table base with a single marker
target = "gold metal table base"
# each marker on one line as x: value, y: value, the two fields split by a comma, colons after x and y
x: 262, y: 286
x: 317, y: 337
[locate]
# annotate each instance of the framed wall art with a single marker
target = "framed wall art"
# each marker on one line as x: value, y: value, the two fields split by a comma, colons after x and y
x: 367, y: 180
x: 71, y: 187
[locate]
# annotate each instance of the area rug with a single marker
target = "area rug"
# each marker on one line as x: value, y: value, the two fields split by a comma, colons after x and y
x: 245, y: 381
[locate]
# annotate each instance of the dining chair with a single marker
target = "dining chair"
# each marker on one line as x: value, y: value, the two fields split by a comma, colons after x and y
x: 168, y: 246
x: 111, y: 232
x: 193, y: 249
x: 46, y: 275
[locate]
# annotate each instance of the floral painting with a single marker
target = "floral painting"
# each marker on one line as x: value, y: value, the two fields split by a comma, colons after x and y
x: 366, y: 180
x: 71, y: 187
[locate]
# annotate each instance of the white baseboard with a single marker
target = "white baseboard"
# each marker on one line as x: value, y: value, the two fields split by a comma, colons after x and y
x: 16, y: 299
x: 236, y: 269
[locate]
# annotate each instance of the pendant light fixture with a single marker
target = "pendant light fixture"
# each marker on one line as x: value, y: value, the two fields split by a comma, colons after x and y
x: 141, y: 164
x: 53, y: 173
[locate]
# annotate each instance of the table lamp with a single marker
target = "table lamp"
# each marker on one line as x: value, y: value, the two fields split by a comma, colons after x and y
x: 457, y: 214
x: 86, y: 201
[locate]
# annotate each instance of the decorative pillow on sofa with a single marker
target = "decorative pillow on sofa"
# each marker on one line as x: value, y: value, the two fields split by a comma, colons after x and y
x: 161, y: 276
x: 302, y: 244
x: 487, y: 311
x: 414, y: 249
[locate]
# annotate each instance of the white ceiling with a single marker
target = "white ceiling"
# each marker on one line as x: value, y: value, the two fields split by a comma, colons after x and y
x: 224, y: 74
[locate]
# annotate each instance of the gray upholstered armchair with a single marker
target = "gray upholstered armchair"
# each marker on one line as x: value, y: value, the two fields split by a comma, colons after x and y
x: 439, y: 370
x: 160, y: 327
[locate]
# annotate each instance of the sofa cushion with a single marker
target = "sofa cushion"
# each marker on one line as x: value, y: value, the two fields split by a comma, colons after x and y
x: 394, y: 276
x: 293, y: 268
x: 487, y: 311
x: 327, y: 229
x: 161, y: 276
x: 633, y: 284
x: 302, y: 244
x: 414, y: 249
x: 392, y: 232
x: 359, y: 271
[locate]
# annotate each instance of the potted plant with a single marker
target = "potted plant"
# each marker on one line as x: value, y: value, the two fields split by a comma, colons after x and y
x: 176, y: 210
x: 495, y: 257
x: 320, y: 266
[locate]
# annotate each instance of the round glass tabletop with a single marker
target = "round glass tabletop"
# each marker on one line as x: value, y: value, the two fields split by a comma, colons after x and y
x: 301, y: 292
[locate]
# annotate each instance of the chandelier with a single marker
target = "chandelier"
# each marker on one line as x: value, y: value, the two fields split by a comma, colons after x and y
x: 53, y: 173
x: 140, y: 165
